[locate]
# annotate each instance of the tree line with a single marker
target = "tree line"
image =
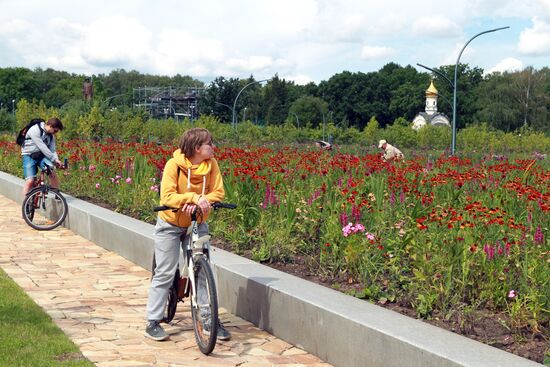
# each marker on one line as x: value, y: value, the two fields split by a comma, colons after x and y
x: 394, y: 94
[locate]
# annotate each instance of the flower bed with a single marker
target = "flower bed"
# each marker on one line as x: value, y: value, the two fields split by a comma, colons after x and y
x: 442, y: 236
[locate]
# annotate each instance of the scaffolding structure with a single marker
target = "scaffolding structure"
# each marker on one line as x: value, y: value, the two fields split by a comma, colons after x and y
x: 166, y: 102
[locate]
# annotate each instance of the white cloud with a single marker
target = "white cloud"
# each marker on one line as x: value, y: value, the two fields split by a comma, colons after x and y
x: 376, y: 52
x: 300, y: 39
x: 508, y: 64
x: 298, y: 79
x: 536, y: 40
x: 250, y: 64
x: 116, y: 40
x: 436, y: 26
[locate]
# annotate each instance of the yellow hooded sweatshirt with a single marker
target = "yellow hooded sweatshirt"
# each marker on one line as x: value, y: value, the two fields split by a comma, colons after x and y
x: 203, y: 179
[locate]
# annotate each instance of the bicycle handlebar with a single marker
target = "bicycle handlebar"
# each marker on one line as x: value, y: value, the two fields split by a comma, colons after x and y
x: 217, y: 205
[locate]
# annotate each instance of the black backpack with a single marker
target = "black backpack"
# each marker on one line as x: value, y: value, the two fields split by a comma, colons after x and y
x: 20, y: 139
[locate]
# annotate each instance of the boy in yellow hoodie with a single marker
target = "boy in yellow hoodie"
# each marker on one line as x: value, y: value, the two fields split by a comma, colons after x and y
x: 191, y: 178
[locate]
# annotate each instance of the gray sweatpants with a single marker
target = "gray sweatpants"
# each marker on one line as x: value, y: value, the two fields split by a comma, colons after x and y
x: 167, y: 247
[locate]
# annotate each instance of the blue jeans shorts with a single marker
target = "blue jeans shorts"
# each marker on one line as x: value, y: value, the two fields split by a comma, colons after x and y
x: 30, y: 166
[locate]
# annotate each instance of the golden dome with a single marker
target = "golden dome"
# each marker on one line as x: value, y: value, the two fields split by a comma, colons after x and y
x: 431, y: 91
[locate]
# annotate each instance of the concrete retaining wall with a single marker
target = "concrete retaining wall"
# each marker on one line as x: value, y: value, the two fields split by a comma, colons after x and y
x: 340, y: 329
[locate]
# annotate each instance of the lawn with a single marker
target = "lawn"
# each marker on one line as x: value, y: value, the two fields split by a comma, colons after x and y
x: 28, y: 336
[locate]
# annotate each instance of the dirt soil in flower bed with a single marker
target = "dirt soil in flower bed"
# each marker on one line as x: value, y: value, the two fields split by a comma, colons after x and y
x: 483, y: 325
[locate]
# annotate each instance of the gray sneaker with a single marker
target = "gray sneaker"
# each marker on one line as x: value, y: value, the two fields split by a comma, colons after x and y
x: 223, y: 334
x: 154, y: 331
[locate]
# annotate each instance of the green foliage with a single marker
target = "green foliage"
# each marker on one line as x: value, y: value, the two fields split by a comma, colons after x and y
x: 435, y: 137
x: 7, y: 121
x: 400, y: 136
x: 486, y: 139
x: 309, y: 111
x: 371, y: 132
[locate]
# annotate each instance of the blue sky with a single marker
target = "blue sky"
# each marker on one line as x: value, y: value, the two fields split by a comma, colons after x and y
x: 300, y: 40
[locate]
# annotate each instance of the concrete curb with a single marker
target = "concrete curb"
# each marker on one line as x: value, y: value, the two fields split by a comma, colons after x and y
x: 339, y: 329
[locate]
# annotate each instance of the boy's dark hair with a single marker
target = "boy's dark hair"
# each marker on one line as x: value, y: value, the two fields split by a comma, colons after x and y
x: 55, y: 123
x: 193, y: 138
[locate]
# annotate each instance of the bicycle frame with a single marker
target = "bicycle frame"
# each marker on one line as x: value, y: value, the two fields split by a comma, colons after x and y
x: 40, y: 181
x: 193, y: 247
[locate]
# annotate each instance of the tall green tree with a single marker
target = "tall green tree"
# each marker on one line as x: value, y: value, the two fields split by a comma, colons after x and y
x: 277, y: 100
x: 17, y: 84
x: 309, y: 111
x: 468, y: 79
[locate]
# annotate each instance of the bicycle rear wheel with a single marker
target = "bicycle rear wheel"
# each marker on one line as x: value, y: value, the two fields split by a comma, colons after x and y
x: 44, y: 210
x: 172, y: 300
x: 205, y: 312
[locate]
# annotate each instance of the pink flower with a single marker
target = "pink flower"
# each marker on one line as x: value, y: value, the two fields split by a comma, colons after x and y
x: 91, y: 168
x: 359, y: 227
x: 512, y: 294
x: 347, y: 230
x: 539, y: 236
x: 97, y: 185
x: 154, y: 188
x: 351, y: 228
x: 129, y: 180
x: 370, y: 236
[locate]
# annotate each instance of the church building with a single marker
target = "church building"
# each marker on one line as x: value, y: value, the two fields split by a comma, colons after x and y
x: 430, y: 116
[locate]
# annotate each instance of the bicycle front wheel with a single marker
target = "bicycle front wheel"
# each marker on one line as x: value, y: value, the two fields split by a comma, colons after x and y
x: 205, y: 311
x: 44, y: 210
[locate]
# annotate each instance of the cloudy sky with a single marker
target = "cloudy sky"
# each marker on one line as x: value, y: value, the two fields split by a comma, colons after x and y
x: 300, y: 40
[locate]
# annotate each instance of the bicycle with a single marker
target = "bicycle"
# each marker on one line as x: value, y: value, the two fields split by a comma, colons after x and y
x: 44, y: 208
x: 190, y: 273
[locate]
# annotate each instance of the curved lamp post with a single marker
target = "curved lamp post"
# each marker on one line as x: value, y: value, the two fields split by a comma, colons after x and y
x: 233, y: 122
x: 108, y: 100
x: 453, y: 143
x: 223, y: 104
x: 324, y: 119
x: 453, y: 84
x: 297, y: 119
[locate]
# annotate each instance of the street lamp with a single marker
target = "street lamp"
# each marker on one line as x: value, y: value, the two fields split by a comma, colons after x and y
x: 324, y: 119
x: 453, y: 144
x: 108, y: 100
x: 297, y: 119
x: 244, y: 114
x: 233, y: 122
x: 13, y: 106
x: 223, y: 104
x: 438, y: 73
x: 454, y: 84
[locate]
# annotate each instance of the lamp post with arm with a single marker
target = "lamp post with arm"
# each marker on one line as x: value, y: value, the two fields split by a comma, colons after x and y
x: 297, y: 119
x: 233, y: 121
x: 454, y: 84
x: 453, y: 143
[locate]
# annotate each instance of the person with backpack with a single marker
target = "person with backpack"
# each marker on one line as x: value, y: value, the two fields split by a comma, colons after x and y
x: 37, y: 142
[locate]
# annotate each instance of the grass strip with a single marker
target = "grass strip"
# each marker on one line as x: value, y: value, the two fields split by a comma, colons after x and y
x: 28, y: 336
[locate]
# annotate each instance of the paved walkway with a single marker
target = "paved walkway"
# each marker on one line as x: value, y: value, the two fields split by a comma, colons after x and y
x: 98, y: 299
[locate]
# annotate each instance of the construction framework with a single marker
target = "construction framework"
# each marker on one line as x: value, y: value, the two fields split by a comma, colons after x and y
x: 169, y: 102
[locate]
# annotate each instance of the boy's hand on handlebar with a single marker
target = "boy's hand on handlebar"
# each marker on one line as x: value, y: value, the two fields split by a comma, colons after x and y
x: 204, y: 204
x: 188, y: 209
